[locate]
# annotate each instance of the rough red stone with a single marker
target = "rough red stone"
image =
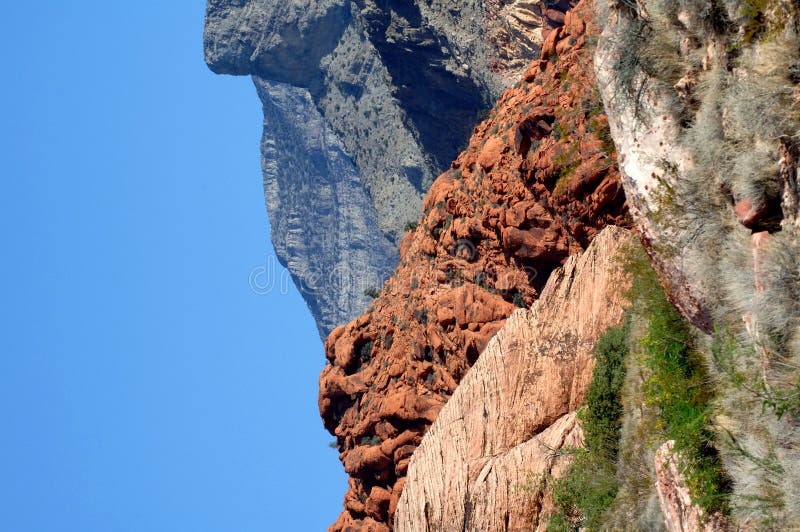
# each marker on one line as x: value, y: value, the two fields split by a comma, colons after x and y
x: 533, y: 186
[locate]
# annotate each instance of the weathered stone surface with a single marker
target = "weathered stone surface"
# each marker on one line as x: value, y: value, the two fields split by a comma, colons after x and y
x: 483, y: 463
x: 680, y: 514
x: 516, y: 29
x: 334, y: 256
x: 397, y: 88
x: 392, y: 369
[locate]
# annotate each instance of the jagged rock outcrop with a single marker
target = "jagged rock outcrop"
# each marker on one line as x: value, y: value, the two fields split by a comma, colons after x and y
x: 395, y: 90
x: 535, y: 185
x: 703, y: 107
x: 486, y: 461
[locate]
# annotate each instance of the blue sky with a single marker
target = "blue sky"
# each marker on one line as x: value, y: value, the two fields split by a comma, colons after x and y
x: 143, y: 385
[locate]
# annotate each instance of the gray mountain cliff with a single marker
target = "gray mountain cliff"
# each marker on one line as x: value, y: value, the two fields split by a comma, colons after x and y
x: 365, y: 103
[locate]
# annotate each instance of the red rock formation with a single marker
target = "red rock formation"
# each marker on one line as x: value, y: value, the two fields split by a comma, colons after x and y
x: 536, y: 184
x: 486, y: 462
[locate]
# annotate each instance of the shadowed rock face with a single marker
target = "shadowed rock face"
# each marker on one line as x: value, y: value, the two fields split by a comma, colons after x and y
x: 534, y: 186
x: 397, y: 86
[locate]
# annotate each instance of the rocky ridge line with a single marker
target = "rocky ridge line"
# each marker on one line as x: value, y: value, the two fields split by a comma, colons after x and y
x: 365, y: 103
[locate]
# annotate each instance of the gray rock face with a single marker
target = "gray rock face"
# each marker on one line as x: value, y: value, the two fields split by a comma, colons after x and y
x: 701, y: 105
x: 335, y: 256
x: 365, y: 103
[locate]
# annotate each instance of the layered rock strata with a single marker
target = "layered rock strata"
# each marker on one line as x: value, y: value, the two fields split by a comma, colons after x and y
x: 535, y: 185
x: 486, y: 461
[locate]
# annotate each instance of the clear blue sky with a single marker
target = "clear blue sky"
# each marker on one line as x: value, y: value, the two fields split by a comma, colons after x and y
x: 143, y: 385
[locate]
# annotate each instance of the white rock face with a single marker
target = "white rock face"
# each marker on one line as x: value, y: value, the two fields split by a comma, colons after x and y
x: 680, y: 514
x: 482, y: 464
x: 651, y: 160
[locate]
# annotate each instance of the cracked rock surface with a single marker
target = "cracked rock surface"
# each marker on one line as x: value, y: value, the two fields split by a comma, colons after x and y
x: 484, y: 463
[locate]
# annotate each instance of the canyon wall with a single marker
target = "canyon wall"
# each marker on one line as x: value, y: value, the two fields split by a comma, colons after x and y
x: 486, y: 461
x: 365, y: 103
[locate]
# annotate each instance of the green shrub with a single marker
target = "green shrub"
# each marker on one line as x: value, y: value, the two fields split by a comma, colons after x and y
x: 560, y: 131
x: 567, y: 162
x: 371, y: 440
x: 602, y: 417
x: 583, y: 496
x: 678, y: 386
x: 372, y: 292
x: 366, y: 350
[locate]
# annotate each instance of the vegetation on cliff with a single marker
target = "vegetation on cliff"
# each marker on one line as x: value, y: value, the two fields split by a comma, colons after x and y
x: 583, y: 496
x: 703, y: 102
x: 654, y: 361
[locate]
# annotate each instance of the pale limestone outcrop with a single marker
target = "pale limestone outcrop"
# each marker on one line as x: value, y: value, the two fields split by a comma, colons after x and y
x: 484, y: 463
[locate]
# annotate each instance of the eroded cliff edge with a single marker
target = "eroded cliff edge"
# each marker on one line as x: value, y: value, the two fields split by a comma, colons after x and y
x: 364, y: 104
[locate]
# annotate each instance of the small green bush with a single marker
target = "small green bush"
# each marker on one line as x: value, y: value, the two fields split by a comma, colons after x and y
x: 519, y: 300
x: 372, y: 292
x: 678, y: 385
x: 602, y: 417
x: 371, y: 440
x: 366, y: 350
x: 584, y: 495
